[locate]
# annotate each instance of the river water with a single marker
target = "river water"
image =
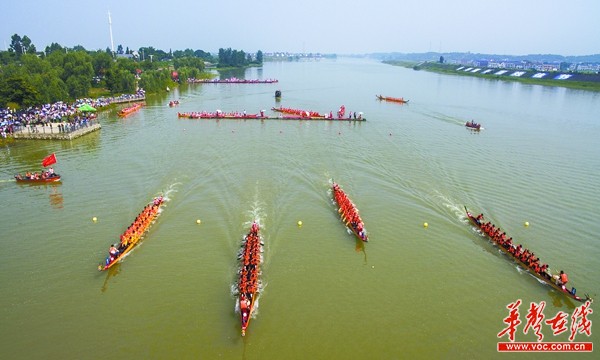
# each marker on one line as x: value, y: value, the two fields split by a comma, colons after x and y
x: 412, y: 292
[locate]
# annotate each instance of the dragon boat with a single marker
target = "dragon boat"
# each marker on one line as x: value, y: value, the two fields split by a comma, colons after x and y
x: 349, y: 213
x: 130, y: 110
x: 134, y: 233
x: 392, y: 99
x: 541, y: 275
x: 248, y: 285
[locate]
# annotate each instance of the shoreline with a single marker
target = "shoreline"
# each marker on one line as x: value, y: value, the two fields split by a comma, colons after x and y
x: 453, y: 70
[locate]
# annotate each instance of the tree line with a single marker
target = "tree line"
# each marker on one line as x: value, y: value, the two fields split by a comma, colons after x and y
x: 29, y: 77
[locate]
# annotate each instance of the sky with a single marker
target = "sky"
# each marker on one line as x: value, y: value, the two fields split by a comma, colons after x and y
x: 507, y: 27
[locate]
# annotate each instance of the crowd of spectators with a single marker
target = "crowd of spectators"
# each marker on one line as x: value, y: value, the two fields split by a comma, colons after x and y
x: 60, y: 113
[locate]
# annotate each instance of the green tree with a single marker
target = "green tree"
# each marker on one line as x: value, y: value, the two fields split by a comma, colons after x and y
x: 18, y: 89
x: 259, y: 57
x: 34, y: 65
x: 56, y: 59
x: 126, y: 64
x: 232, y: 58
x: 156, y: 81
x: 42, y: 76
x: 204, y: 55
x: 157, y: 55
x: 53, y: 47
x: 191, y: 62
x: 28, y: 47
x: 16, y: 45
x: 78, y: 86
x: 102, y: 62
x: 120, y: 81
x: 77, y: 73
x: 7, y: 57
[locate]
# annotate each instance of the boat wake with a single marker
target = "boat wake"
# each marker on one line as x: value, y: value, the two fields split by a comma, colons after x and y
x: 445, y: 118
x: 256, y: 212
x: 172, y: 189
x: 453, y: 207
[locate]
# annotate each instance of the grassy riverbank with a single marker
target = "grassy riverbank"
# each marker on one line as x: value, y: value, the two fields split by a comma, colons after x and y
x: 526, y: 78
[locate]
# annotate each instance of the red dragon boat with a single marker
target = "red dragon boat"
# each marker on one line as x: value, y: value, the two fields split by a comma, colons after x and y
x: 248, y: 285
x: 349, y: 213
x: 298, y: 112
x: 232, y: 81
x: 260, y: 116
x: 392, y: 99
x: 509, y: 250
x: 237, y: 115
x: 134, y: 233
x: 130, y: 110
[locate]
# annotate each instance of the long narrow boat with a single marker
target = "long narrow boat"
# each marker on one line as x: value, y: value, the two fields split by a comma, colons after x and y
x: 248, y: 285
x: 236, y: 115
x: 349, y: 213
x: 130, y: 110
x: 392, y: 99
x: 214, y: 116
x: 232, y: 81
x: 298, y: 112
x: 41, y: 180
x: 478, y: 223
x: 134, y: 233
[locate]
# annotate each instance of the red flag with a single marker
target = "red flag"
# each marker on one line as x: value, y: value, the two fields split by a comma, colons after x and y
x: 49, y: 160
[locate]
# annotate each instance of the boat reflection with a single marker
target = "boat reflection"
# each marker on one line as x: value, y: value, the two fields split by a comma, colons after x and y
x: 113, y: 271
x: 360, y: 247
x: 56, y: 198
x: 559, y: 300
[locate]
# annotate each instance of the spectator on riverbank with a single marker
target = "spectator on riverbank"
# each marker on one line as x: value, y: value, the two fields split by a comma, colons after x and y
x: 58, y: 112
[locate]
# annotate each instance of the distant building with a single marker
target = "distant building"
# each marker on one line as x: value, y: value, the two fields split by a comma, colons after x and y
x: 594, y: 68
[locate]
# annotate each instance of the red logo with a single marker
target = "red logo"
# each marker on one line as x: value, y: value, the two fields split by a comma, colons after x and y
x: 580, y: 324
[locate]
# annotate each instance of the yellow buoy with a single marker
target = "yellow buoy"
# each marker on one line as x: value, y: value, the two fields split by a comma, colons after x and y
x: 198, y: 221
x: 526, y: 223
x: 94, y: 219
x: 425, y: 225
x: 299, y: 223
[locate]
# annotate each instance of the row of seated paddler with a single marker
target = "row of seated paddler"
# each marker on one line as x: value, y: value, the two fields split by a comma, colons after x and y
x: 349, y: 211
x: 250, y: 260
x: 251, y: 254
x: 135, y: 231
x: 524, y: 255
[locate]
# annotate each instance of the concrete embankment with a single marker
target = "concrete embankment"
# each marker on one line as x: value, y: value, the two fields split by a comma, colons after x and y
x: 60, y: 131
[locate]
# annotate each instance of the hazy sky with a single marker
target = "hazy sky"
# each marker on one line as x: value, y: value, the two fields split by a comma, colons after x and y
x: 512, y: 27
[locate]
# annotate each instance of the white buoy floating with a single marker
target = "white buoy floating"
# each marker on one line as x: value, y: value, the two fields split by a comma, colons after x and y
x: 425, y: 225
x: 198, y: 221
x: 299, y: 223
x: 94, y: 219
